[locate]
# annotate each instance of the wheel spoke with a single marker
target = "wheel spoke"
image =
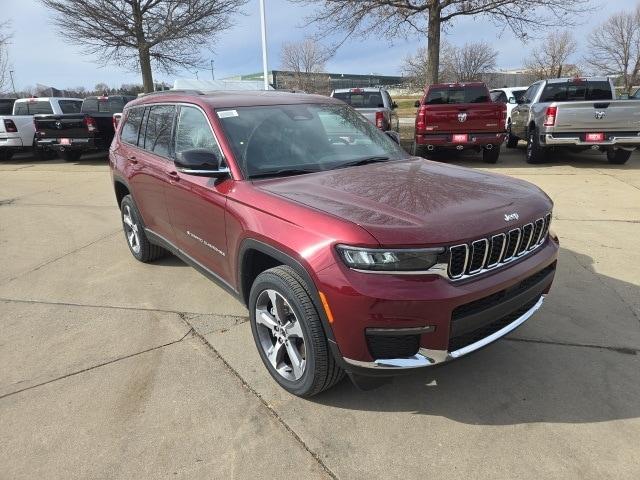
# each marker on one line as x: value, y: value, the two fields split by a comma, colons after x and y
x: 278, y: 306
x: 127, y: 220
x: 293, y: 329
x: 274, y: 354
x: 297, y: 362
x: 131, y: 236
x: 265, y: 318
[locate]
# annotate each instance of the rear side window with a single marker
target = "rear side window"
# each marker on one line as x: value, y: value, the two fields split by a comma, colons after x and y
x: 518, y: 94
x: 361, y: 99
x: 158, y: 132
x: 576, y: 91
x: 444, y: 96
x: 70, y: 106
x: 193, y: 131
x: 6, y: 106
x: 498, y: 96
x: 131, y: 126
x: 42, y: 107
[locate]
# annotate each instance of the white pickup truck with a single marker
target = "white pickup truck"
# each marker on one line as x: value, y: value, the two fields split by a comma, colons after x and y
x: 578, y: 113
x: 17, y: 131
x: 374, y: 103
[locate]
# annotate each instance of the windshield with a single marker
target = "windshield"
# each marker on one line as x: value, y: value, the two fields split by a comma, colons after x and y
x: 361, y: 99
x: 280, y: 140
x: 446, y: 95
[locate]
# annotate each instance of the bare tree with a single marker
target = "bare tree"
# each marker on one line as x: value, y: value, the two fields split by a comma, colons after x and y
x: 392, y: 18
x: 5, y: 36
x: 550, y: 58
x: 459, y: 64
x: 306, y: 61
x: 166, y: 33
x: 614, y: 47
x: 100, y: 88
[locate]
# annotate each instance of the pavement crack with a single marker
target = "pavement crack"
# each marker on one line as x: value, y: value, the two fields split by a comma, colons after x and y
x: 622, y: 350
x: 7, y: 201
x: 93, y: 367
x: 263, y: 401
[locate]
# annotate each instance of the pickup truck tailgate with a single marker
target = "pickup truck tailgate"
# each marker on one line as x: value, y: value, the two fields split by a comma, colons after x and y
x: 464, y: 118
x: 603, y: 116
x: 61, y: 126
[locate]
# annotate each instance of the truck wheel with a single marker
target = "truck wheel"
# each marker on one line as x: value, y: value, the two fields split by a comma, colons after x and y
x: 491, y: 156
x: 618, y: 156
x: 512, y: 140
x: 6, y: 155
x: 71, y: 155
x: 535, y: 152
x: 289, y: 335
x: 139, y: 245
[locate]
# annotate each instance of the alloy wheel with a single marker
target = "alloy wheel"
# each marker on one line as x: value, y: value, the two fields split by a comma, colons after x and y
x: 131, y: 229
x: 280, y: 335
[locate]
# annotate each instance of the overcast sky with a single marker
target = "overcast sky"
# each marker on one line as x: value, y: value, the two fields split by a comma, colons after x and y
x: 40, y: 56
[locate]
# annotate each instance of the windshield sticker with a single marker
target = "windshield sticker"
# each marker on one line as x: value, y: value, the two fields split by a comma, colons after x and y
x: 227, y: 114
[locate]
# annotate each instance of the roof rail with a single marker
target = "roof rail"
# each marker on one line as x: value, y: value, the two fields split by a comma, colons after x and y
x: 166, y: 92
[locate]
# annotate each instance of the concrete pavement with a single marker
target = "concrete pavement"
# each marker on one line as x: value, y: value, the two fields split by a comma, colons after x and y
x: 115, y: 369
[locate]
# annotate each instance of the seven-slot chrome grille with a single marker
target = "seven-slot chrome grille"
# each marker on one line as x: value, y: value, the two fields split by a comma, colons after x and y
x: 487, y: 253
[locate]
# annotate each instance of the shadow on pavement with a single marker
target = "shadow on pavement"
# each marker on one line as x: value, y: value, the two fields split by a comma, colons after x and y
x: 514, y: 381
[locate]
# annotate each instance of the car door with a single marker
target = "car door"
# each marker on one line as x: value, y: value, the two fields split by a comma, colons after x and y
x: 197, y: 204
x: 150, y: 168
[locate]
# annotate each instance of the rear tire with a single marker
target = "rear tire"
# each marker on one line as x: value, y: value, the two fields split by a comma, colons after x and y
x: 491, y: 156
x: 618, y: 156
x: 71, y: 155
x: 289, y: 335
x: 512, y: 140
x: 139, y: 245
x: 535, y: 152
x: 418, y: 150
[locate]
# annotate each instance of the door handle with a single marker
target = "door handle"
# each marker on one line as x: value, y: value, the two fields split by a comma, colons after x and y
x: 173, y: 175
x: 132, y: 159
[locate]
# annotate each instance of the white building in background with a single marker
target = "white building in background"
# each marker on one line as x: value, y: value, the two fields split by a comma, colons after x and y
x: 217, y: 85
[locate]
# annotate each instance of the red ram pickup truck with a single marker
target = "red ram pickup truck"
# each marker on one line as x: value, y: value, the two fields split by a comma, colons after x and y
x: 459, y: 116
x: 350, y: 255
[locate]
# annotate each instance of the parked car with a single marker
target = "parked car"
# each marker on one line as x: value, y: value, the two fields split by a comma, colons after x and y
x: 636, y: 96
x: 89, y: 129
x: 580, y: 113
x: 17, y: 130
x: 350, y: 255
x: 508, y: 96
x: 459, y: 116
x: 375, y: 104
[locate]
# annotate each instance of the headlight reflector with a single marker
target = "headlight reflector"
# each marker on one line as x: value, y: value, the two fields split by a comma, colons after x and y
x: 389, y: 260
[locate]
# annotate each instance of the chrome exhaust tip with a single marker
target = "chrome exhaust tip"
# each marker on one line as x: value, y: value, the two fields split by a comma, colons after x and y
x: 489, y: 147
x: 430, y: 148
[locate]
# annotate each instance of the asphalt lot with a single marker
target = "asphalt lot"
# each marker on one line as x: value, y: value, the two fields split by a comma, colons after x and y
x: 115, y: 369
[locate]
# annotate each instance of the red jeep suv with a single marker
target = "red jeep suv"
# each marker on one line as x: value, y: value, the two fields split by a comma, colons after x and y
x: 351, y: 255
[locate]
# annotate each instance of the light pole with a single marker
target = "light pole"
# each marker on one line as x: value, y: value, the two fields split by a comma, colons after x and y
x: 212, y: 76
x: 13, y: 85
x: 263, y: 27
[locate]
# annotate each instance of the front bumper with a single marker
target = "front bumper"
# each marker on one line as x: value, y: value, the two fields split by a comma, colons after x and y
x: 613, y: 139
x: 447, y: 319
x: 445, y: 140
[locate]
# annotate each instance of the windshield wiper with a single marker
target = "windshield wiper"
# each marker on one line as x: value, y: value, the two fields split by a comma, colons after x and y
x: 364, y: 161
x: 283, y: 172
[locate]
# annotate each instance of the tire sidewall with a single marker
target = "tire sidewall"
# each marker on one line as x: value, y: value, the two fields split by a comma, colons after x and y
x: 268, y: 280
x: 128, y: 201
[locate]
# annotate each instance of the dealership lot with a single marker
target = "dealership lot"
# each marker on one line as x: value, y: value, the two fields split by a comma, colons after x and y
x: 116, y: 369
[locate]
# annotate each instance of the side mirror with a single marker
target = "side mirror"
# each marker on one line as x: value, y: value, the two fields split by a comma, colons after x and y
x: 394, y: 105
x: 417, y: 104
x: 393, y: 135
x: 512, y: 100
x: 200, y: 161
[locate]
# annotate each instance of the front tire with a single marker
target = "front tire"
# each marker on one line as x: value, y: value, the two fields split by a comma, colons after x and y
x: 512, y: 140
x: 618, y: 156
x: 535, y: 152
x: 491, y: 156
x: 289, y: 335
x: 139, y: 245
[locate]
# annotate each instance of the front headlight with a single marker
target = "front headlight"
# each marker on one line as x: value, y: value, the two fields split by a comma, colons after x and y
x: 389, y: 260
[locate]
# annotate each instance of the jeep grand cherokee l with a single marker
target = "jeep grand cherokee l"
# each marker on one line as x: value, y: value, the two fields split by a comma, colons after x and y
x: 351, y: 255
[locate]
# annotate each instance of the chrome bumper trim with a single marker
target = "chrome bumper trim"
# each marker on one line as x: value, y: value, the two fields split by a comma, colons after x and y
x: 577, y: 141
x: 426, y: 357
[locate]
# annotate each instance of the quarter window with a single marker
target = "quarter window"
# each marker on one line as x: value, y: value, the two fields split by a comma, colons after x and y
x: 131, y: 126
x: 193, y: 131
x: 158, y: 132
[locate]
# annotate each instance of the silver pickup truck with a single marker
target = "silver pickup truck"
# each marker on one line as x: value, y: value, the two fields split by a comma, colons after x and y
x: 373, y: 103
x: 579, y: 113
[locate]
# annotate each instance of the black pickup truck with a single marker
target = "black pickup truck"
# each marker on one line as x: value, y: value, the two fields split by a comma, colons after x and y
x: 73, y: 134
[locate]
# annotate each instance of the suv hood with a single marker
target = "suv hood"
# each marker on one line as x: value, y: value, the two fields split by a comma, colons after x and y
x: 415, y: 201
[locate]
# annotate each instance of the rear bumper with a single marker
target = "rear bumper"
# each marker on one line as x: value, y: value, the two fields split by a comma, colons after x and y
x: 625, y: 139
x: 445, y: 140
x: 11, y: 143
x: 79, y: 144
